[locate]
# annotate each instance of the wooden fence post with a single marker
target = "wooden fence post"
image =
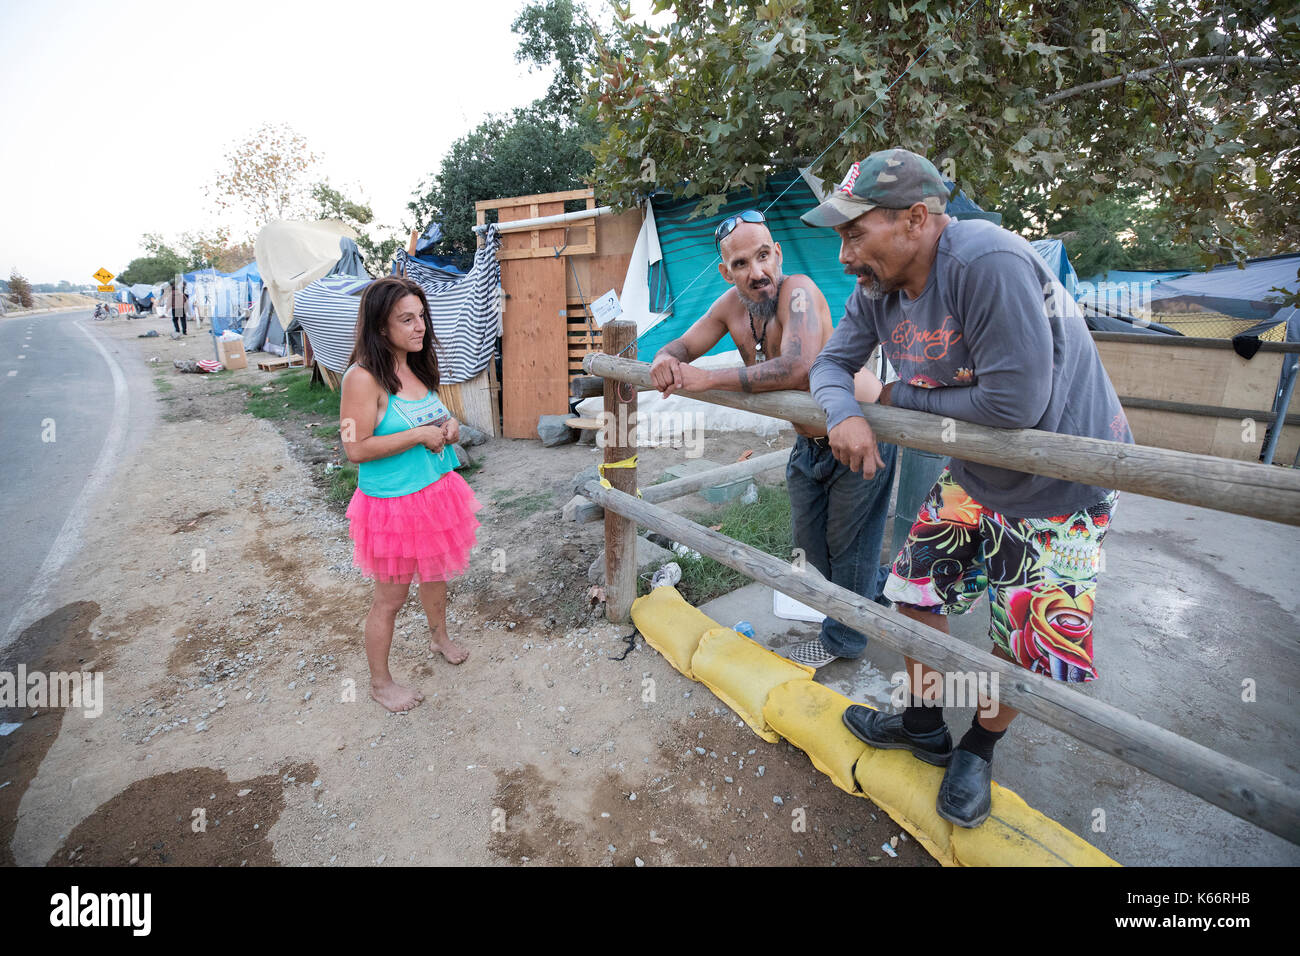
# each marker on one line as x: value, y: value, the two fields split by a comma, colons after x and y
x: 620, y: 532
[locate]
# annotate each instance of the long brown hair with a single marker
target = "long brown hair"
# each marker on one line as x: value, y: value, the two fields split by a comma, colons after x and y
x: 371, y: 350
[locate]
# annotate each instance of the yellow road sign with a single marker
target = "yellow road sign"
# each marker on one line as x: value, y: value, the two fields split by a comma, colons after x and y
x: 104, y: 276
x: 107, y: 288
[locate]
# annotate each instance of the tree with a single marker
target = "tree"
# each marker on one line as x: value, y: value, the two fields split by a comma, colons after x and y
x: 1124, y: 230
x: 1027, y: 105
x: 332, y: 204
x: 519, y: 154
x: 557, y: 33
x: 541, y: 148
x: 267, y: 176
x: 20, y: 290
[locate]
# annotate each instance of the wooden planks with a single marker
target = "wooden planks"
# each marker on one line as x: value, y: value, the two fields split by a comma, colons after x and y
x: 280, y: 363
x: 471, y: 402
x: 548, y: 274
x: 1173, y: 371
x: 574, y: 238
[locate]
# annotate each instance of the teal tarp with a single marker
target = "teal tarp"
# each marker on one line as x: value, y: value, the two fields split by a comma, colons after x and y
x: 691, y: 261
x: 687, y: 279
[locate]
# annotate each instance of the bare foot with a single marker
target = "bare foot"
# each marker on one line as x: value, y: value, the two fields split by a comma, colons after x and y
x: 443, y: 644
x: 395, y: 697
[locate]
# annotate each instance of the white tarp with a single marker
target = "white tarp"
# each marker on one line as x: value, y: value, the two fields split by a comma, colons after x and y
x: 635, y: 299
x: 292, y: 255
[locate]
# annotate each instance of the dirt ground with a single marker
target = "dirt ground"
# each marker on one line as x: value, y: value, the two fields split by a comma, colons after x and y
x: 217, y: 596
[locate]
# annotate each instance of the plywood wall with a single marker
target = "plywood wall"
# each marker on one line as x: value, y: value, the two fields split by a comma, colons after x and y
x: 545, y: 327
x: 1207, y: 375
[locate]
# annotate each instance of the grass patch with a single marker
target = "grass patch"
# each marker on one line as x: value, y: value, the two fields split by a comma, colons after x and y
x: 298, y: 395
x: 473, y: 468
x: 764, y: 525
x: 521, y: 505
x: 164, y: 384
x: 343, y: 481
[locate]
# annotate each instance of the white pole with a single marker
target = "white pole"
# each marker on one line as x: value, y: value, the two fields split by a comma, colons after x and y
x: 556, y: 220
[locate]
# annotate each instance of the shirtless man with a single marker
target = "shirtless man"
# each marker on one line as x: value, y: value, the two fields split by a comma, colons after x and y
x: 780, y: 323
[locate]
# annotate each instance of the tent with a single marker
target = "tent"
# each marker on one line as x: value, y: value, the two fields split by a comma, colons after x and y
x: 247, y: 273
x: 292, y: 255
x: 463, y: 311
x: 1222, y: 302
x: 263, y: 331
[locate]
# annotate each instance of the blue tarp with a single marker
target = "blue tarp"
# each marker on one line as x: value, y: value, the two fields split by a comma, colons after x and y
x: 1117, y: 275
x: 248, y: 272
x: 1244, y: 293
x: 1052, y: 252
x: 350, y: 263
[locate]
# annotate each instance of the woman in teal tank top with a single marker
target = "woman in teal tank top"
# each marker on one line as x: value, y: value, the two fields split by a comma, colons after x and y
x: 411, y: 517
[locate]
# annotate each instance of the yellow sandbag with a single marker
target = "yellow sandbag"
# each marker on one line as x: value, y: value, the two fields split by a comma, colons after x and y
x: 906, y: 789
x: 811, y: 716
x: 671, y: 626
x: 742, y: 673
x: 1015, y: 834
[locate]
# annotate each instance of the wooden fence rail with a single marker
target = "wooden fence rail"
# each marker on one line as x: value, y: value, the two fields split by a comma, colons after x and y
x: 1259, y: 491
x: 1243, y: 791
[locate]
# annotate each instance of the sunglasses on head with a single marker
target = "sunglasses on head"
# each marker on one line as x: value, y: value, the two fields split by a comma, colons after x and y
x: 728, y: 225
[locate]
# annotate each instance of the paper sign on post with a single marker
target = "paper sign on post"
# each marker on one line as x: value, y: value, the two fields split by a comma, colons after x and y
x: 606, y: 308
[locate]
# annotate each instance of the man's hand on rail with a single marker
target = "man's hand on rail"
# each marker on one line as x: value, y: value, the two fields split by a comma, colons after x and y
x: 854, y: 444
x: 666, y: 374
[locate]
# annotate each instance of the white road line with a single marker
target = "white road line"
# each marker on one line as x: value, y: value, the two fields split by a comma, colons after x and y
x: 69, y: 539
x: 13, y: 372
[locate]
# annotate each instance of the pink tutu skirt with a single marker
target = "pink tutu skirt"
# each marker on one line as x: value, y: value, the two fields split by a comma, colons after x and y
x: 427, y: 534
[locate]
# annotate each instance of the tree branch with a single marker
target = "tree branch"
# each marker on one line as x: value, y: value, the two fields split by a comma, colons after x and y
x: 1263, y: 62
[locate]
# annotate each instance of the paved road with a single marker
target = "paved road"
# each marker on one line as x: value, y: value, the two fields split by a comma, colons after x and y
x: 65, y: 422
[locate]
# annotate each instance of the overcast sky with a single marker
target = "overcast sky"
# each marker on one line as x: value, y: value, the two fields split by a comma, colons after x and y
x: 116, y: 115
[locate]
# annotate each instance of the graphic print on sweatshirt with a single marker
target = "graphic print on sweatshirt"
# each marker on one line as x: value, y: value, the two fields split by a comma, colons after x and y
x: 929, y: 357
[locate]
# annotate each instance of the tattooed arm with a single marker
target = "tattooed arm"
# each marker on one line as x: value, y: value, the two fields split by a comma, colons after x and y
x: 667, y: 369
x: 800, y: 318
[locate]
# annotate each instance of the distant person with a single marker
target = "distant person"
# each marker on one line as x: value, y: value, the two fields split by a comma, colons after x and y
x: 779, y: 323
x: 979, y: 331
x: 411, y: 516
x: 177, y: 299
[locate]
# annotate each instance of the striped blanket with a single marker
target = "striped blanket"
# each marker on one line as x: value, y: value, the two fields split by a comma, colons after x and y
x: 463, y: 310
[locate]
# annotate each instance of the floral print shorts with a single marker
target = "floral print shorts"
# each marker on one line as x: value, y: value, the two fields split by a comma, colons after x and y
x: 1041, y: 575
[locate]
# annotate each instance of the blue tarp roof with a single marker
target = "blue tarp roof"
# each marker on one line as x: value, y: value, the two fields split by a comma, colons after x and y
x: 1244, y: 293
x: 1117, y: 275
x: 247, y: 272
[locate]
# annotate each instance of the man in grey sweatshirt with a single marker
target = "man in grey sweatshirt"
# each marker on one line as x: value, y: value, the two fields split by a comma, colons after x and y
x: 979, y: 331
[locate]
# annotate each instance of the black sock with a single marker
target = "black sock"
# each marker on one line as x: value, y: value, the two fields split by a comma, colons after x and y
x: 980, y: 741
x: 920, y: 718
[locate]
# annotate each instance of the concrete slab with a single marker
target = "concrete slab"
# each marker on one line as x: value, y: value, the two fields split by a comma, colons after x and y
x: 1195, y: 610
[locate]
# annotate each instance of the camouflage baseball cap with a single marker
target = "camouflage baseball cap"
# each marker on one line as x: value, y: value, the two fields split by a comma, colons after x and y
x: 892, y: 178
